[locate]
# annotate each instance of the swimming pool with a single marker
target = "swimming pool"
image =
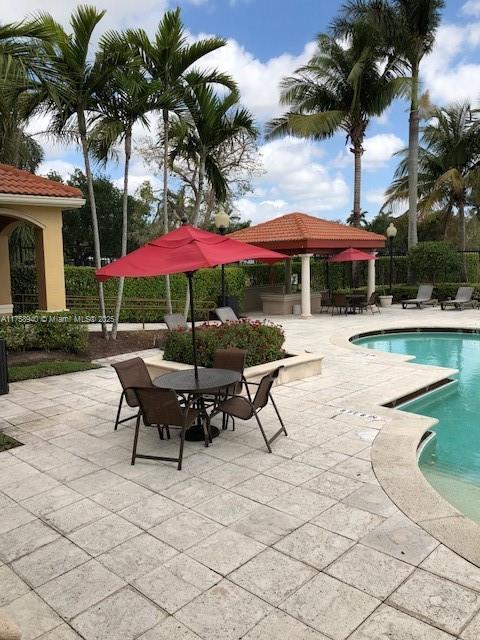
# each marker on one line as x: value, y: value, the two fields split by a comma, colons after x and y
x: 451, y: 460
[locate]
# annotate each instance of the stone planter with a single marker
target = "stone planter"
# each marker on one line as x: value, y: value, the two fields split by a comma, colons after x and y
x: 385, y: 301
x: 281, y: 304
x: 296, y: 367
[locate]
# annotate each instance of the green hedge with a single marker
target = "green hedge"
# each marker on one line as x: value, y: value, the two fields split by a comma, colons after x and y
x: 263, y: 342
x: 80, y: 281
x: 44, y: 332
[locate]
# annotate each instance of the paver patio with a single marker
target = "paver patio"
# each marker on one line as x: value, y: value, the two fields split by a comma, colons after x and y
x: 302, y: 543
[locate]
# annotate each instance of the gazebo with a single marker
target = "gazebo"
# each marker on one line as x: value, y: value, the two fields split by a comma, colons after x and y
x: 25, y: 197
x: 299, y: 234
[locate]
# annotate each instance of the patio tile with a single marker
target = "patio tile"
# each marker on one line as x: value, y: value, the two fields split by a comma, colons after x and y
x: 185, y: 530
x: 401, y: 538
x: 77, y: 469
x: 280, y: 625
x: 32, y: 616
x: 122, y: 495
x: 333, y: 485
x: 137, y: 556
x: 447, y: 564
x: 225, y: 550
x: 330, y: 606
x: 63, y: 632
x: 293, y: 471
x: 225, y: 611
x: 157, y: 477
x: 472, y: 630
x: 148, y: 512
x: 227, y: 507
x: 272, y: 576
x: 92, y: 483
x: 14, y: 516
x: 357, y: 469
x: 262, y: 488
x: 31, y: 485
x: 386, y: 622
x: 193, y: 572
x: 50, y: 561
x: 302, y: 503
x: 112, y: 618
x: 370, y: 571
x: 170, y: 629
x: 259, y: 460
x: 321, y: 458
x: 104, y: 534
x: 348, y: 521
x: 51, y: 500
x: 371, y: 498
x: 266, y: 525
x: 192, y: 492
x: 76, y: 515
x: 79, y: 589
x: 199, y: 463
x: 228, y: 450
x: 166, y: 589
x: 25, y: 539
x: 11, y: 586
x: 228, y: 474
x: 314, y: 546
x: 436, y: 601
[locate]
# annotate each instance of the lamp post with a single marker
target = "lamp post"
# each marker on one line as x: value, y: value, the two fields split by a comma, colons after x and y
x: 391, y: 233
x: 222, y: 222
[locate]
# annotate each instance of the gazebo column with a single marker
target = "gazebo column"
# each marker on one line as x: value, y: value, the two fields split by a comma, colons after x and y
x: 306, y: 300
x: 6, y: 307
x: 371, y: 277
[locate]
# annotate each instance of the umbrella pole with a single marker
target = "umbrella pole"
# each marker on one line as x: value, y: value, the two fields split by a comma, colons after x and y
x: 192, y: 319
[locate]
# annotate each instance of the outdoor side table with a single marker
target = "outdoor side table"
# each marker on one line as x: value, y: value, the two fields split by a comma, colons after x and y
x: 209, y: 381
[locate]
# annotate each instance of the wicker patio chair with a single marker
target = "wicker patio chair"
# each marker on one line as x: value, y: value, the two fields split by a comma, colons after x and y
x: 232, y: 359
x: 175, y: 321
x: 244, y: 408
x: 131, y: 373
x: 339, y: 303
x: 161, y: 408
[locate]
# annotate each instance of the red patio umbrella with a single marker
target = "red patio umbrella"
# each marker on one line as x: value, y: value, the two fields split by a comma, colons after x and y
x: 185, y: 250
x: 351, y: 255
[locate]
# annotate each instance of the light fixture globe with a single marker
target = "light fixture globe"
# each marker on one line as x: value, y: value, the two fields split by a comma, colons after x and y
x: 222, y: 220
x: 391, y: 231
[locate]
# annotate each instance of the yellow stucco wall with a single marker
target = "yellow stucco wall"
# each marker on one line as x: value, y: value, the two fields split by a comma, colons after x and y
x: 47, y: 221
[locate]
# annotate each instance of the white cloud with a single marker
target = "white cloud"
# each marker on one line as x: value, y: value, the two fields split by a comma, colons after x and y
x: 295, y: 179
x: 379, y: 150
x: 258, y: 81
x: 375, y: 196
x: 448, y: 77
x: 471, y: 8
x: 64, y: 168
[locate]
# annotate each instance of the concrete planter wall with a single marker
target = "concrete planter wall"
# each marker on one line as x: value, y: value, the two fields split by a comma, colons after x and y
x: 296, y: 367
x: 281, y: 304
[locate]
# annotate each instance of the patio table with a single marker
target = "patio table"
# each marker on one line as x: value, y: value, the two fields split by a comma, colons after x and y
x: 353, y: 300
x: 209, y: 381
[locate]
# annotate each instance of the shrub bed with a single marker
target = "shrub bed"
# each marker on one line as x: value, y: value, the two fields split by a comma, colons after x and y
x: 44, y: 331
x: 263, y: 342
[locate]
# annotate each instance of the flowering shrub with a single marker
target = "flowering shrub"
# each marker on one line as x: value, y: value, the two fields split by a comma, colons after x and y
x: 263, y: 342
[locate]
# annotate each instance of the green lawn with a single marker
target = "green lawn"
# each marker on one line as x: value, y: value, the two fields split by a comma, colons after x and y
x: 44, y: 369
x: 6, y: 442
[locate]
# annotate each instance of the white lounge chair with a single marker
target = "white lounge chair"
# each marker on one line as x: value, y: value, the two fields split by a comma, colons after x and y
x: 463, y: 299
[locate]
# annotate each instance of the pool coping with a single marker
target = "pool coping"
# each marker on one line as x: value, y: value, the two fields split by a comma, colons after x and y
x: 394, y: 450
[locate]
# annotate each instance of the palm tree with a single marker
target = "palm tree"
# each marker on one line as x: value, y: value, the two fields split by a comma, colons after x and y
x: 78, y: 80
x: 340, y: 89
x: 126, y: 99
x: 448, y: 166
x: 405, y: 30
x: 168, y: 58
x: 213, y: 122
x: 20, y: 45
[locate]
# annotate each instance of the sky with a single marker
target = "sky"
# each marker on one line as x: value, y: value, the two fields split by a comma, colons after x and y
x: 266, y: 40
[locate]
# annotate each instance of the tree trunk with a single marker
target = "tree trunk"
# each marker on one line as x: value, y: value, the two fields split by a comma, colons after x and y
x: 82, y: 127
x: 196, y: 213
x: 413, y: 130
x: 462, y: 237
x: 357, y: 151
x: 168, y: 294
x: 118, y: 305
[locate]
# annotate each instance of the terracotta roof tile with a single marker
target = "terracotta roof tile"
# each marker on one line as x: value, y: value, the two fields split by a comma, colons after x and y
x: 18, y: 182
x: 304, y: 231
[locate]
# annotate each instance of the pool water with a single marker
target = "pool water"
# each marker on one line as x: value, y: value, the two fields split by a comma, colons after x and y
x: 451, y: 460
